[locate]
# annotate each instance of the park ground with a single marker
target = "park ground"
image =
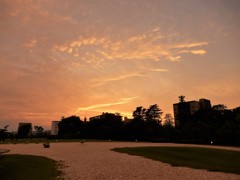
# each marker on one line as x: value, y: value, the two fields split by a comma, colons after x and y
x: 96, y: 160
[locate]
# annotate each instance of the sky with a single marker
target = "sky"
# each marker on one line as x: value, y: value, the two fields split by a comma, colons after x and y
x: 84, y: 57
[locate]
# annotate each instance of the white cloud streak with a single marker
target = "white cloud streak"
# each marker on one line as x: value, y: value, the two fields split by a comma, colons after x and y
x: 97, y: 106
x: 118, y: 78
x: 159, y: 70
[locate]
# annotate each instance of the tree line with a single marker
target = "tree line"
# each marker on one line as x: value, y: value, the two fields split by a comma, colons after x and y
x: 217, y: 125
x: 145, y: 125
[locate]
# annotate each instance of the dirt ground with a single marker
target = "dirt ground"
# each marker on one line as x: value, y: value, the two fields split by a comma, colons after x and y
x: 95, y: 160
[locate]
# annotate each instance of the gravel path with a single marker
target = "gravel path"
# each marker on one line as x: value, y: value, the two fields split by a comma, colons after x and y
x: 95, y: 160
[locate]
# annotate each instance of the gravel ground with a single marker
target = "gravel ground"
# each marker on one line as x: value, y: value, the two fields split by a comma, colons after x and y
x: 95, y: 160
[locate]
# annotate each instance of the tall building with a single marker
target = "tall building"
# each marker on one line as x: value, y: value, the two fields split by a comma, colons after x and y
x: 183, y: 111
x: 205, y: 104
x: 54, y: 128
x: 24, y: 130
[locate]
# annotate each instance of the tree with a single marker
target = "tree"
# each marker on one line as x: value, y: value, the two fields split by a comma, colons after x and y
x: 70, y: 126
x: 219, y: 107
x: 39, y: 130
x: 168, y: 120
x: 106, y: 126
x: 153, y: 122
x: 153, y: 114
x: 3, y: 133
x: 139, y: 113
x: 168, y: 130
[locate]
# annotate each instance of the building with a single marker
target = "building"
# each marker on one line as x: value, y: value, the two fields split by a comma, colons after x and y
x: 183, y: 111
x: 24, y: 130
x: 54, y: 128
x: 105, y: 115
x: 205, y: 104
x: 95, y: 117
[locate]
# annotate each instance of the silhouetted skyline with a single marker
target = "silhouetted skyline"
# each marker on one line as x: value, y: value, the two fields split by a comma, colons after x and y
x: 88, y: 57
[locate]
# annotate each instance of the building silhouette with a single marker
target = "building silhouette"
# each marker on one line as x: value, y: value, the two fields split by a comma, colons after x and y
x: 96, y: 117
x: 54, y: 128
x: 183, y: 110
x: 104, y: 115
x: 205, y: 104
x: 24, y: 129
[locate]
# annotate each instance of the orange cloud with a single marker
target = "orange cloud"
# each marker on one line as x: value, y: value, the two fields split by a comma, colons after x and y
x: 118, y: 78
x: 174, y: 58
x: 190, y: 45
x: 200, y: 51
x: 150, y: 45
x: 31, y: 43
x: 97, y: 106
x: 159, y: 70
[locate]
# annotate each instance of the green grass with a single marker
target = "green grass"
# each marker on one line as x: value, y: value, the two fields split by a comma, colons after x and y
x: 193, y: 157
x: 24, y: 167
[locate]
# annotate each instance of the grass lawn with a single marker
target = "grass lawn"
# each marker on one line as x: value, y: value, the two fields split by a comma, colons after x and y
x: 24, y: 167
x: 199, y: 158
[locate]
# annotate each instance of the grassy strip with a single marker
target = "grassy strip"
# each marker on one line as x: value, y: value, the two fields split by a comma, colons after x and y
x: 199, y: 158
x: 22, y: 167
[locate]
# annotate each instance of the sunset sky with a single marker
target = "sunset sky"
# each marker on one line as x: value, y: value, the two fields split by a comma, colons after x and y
x: 84, y: 57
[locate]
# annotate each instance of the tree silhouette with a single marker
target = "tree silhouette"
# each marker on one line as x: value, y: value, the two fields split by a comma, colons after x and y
x: 3, y: 133
x: 70, y: 127
x: 219, y: 107
x: 39, y: 131
x: 153, y: 114
x: 217, y: 125
x: 106, y: 126
x: 139, y: 113
x: 153, y: 122
x: 168, y: 120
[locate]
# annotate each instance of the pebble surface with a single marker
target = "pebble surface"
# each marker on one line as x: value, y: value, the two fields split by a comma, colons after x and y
x: 96, y: 161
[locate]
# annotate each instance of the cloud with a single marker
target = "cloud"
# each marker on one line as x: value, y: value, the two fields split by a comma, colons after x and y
x: 61, y: 56
x: 156, y: 29
x: 197, y: 51
x: 159, y: 70
x: 137, y: 38
x: 31, y: 43
x: 97, y: 106
x: 174, y: 58
x: 190, y: 45
x: 145, y: 46
x: 200, y: 51
x: 118, y: 78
